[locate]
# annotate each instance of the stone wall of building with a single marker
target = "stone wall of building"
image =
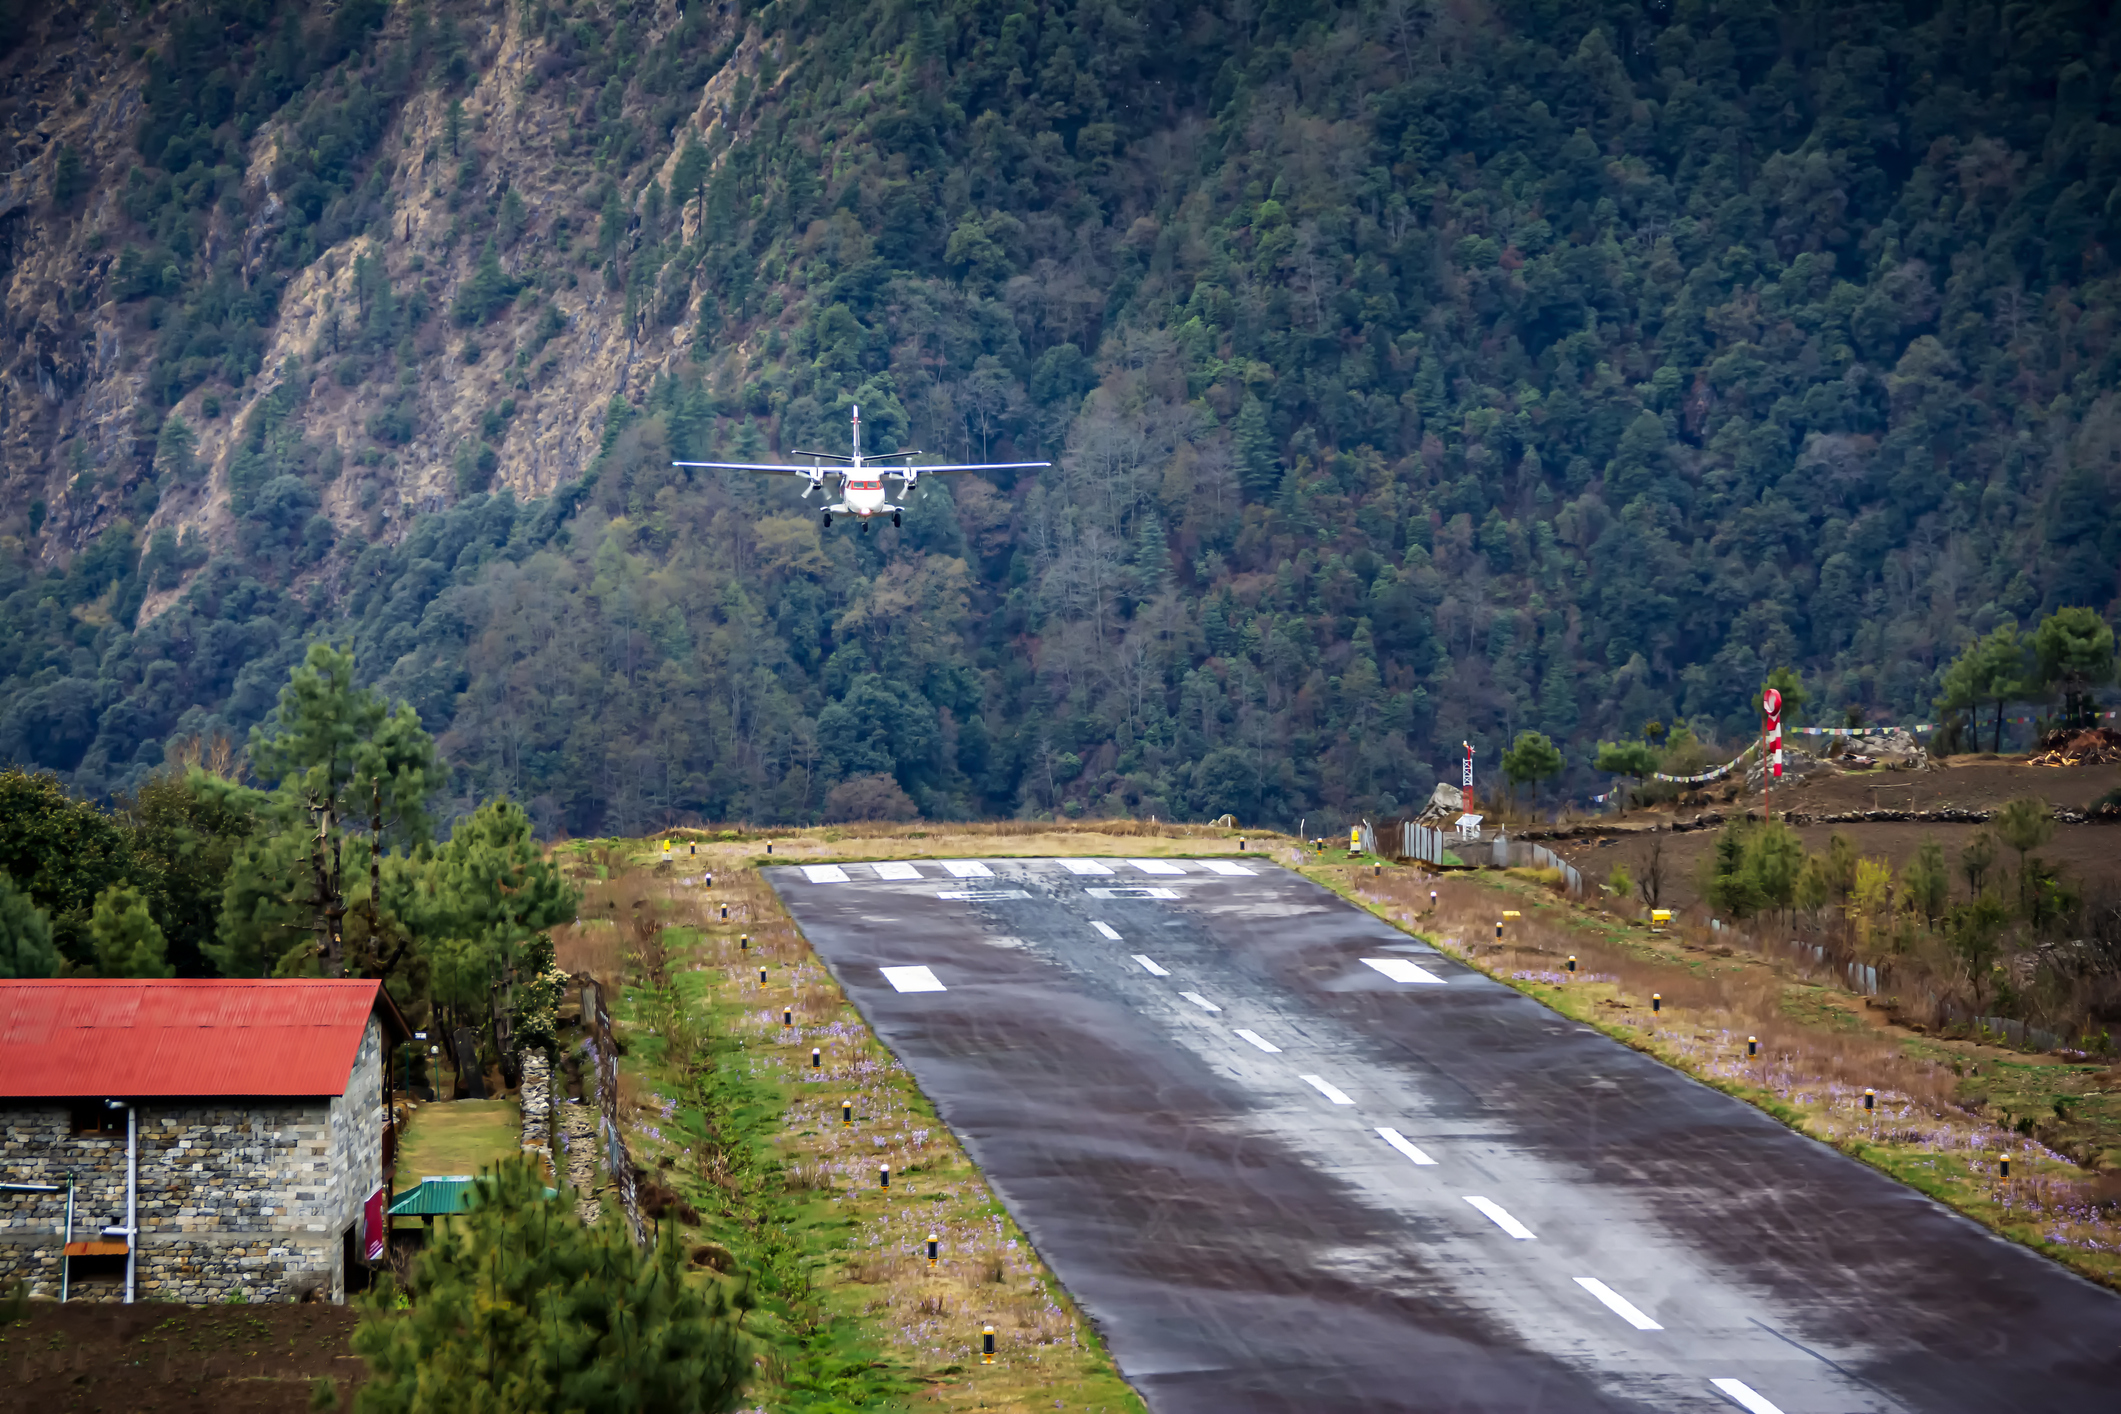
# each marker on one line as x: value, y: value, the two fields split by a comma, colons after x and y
x: 239, y: 1194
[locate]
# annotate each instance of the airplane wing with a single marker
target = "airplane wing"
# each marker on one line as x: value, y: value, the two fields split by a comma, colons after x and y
x: 803, y: 471
x: 969, y: 466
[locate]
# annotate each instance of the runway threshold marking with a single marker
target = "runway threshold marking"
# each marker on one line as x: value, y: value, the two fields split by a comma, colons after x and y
x: 1399, y: 1142
x: 1745, y: 1396
x: 1496, y: 1214
x: 968, y: 869
x: 1132, y: 891
x: 1156, y: 866
x: 1106, y: 931
x: 1260, y: 1041
x: 1149, y: 966
x: 913, y: 979
x: 1224, y: 866
x: 1200, y: 1001
x: 1619, y: 1305
x: 896, y: 871
x: 825, y: 874
x: 1082, y: 866
x: 1331, y: 1092
x: 1400, y: 970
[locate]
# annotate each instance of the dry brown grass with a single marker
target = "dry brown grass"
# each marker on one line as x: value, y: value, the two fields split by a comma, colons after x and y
x: 930, y: 1317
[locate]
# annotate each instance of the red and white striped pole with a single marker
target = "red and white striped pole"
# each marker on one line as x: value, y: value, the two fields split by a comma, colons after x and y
x: 1770, y: 748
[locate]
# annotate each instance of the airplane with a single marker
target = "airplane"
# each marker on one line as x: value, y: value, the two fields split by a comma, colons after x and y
x: 861, y: 479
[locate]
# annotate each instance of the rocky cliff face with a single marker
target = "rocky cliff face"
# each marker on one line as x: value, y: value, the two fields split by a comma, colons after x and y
x: 501, y: 154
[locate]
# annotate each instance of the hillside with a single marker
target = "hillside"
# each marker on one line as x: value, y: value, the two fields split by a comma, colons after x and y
x: 1416, y: 372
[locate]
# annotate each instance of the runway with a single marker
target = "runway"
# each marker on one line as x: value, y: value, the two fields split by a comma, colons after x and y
x: 1289, y: 1158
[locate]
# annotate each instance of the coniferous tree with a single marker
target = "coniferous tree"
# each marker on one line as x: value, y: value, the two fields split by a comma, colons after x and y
x: 25, y: 935
x: 520, y: 1309
x: 343, y: 760
x: 128, y: 944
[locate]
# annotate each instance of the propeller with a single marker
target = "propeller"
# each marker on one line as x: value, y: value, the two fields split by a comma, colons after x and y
x: 813, y: 480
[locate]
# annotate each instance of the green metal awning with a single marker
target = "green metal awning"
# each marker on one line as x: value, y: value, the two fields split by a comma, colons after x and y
x: 433, y: 1197
x: 439, y: 1197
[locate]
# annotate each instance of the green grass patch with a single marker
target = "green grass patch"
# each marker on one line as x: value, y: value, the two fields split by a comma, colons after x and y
x: 457, y: 1137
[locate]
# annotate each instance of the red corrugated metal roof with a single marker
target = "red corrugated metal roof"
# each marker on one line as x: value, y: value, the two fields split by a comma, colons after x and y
x: 126, y: 1039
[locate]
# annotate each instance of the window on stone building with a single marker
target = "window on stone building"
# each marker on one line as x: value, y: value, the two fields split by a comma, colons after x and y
x: 95, y: 1117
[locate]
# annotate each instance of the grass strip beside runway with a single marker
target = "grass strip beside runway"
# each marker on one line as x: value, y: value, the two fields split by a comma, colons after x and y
x: 744, y: 1146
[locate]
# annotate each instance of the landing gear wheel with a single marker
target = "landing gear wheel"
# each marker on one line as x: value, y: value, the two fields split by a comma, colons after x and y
x: 828, y: 520
x: 894, y: 517
x: 865, y: 527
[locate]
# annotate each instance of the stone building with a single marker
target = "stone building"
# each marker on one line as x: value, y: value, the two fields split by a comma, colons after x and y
x: 245, y: 1123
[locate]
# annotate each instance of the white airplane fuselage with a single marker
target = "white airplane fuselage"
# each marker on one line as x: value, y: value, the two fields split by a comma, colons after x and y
x: 863, y: 495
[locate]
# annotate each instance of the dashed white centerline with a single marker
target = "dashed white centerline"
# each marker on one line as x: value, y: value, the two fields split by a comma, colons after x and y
x: 1399, y: 1142
x: 1502, y: 1219
x: 912, y: 979
x: 1745, y: 1396
x: 1260, y: 1041
x: 1400, y: 970
x: 968, y: 869
x: 1333, y: 1093
x: 825, y: 874
x: 1106, y: 930
x: 1619, y: 1305
x: 896, y: 871
x: 1150, y: 967
x: 1082, y: 866
x: 1200, y: 1001
x: 1156, y: 866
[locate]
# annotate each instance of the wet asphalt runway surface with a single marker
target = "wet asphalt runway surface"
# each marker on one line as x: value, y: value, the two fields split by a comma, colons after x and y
x: 1247, y: 1237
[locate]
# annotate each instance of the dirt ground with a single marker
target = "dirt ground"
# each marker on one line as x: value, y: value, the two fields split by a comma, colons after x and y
x: 169, y: 1359
x: 2087, y: 853
x: 1963, y: 782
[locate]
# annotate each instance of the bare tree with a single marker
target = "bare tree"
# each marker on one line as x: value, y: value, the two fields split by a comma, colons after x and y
x: 1651, y: 882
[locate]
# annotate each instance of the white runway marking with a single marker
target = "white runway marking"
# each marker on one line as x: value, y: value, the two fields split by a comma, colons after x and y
x: 1502, y: 1219
x: 1399, y: 1142
x: 1619, y: 1305
x: 1746, y: 1399
x: 1400, y: 970
x: 1136, y: 892
x: 825, y: 874
x: 981, y: 895
x: 1107, y: 931
x: 913, y: 979
x: 968, y: 869
x: 1149, y: 967
x: 1082, y: 866
x: 896, y: 871
x: 1156, y: 866
x: 1224, y: 866
x: 1333, y: 1093
x: 1260, y: 1041
x: 1200, y: 1001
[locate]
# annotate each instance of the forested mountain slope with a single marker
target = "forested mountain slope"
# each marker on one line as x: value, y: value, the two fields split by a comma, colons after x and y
x: 1416, y: 372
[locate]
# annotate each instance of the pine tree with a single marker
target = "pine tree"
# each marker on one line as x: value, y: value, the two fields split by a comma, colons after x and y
x: 689, y: 178
x: 478, y: 901
x: 128, y: 943
x: 1258, y: 466
x: 26, y: 948
x: 521, y: 1309
x: 336, y: 750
